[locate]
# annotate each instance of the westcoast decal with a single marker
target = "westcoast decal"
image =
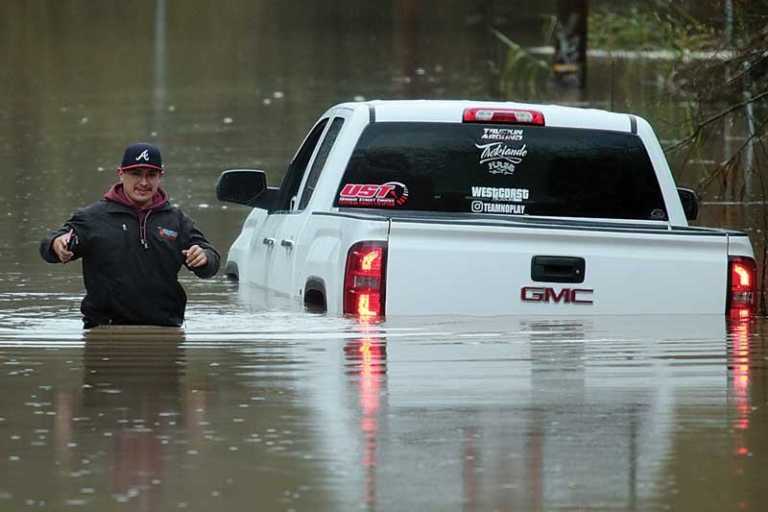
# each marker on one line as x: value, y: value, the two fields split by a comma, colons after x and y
x: 388, y: 195
x: 549, y: 295
x: 513, y: 195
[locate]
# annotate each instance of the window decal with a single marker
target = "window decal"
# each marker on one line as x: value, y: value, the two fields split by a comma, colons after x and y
x: 501, y: 159
x: 388, y: 195
x: 497, y: 200
x: 508, y: 134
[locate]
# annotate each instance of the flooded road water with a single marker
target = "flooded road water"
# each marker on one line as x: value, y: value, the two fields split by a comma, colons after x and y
x: 279, y: 411
x: 257, y: 406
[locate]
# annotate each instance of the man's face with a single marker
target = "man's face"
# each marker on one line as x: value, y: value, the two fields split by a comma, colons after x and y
x: 140, y: 184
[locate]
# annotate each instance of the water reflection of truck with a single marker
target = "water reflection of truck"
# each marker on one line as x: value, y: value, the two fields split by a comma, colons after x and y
x: 513, y: 413
x: 445, y: 207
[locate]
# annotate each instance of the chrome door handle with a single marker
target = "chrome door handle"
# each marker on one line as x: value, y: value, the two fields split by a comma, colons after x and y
x: 287, y: 243
x: 268, y: 241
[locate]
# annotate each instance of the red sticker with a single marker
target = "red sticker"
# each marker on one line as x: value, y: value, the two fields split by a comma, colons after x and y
x: 388, y: 195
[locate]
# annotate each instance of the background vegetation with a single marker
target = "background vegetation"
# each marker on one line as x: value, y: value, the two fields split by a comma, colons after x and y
x: 710, y: 78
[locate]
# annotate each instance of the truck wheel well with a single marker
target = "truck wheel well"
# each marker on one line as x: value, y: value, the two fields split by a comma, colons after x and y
x: 314, y: 295
x: 231, y: 271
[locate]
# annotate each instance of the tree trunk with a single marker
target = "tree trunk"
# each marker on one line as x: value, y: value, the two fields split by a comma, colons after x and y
x: 570, y: 61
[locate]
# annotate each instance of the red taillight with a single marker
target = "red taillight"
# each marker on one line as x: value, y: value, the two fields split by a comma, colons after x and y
x: 364, y: 279
x: 742, y: 287
x: 503, y: 115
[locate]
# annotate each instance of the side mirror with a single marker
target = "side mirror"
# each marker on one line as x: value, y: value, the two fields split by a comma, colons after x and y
x: 247, y: 187
x: 690, y: 203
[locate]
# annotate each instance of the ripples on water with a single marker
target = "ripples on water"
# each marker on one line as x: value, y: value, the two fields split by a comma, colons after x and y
x: 289, y: 410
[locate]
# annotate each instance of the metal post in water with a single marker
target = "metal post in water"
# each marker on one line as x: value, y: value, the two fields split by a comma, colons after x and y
x: 749, y: 150
x: 726, y: 125
x: 159, y: 54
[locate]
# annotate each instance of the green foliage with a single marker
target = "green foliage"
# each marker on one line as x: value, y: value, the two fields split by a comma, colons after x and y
x: 523, y: 73
x: 650, y: 26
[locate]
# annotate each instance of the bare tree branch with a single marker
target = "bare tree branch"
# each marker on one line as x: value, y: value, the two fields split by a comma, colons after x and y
x: 728, y: 164
x: 712, y: 119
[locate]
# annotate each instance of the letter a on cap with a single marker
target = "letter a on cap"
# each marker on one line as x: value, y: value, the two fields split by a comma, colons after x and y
x: 142, y: 154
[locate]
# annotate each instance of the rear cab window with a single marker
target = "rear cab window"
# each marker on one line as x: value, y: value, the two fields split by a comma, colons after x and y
x: 509, y: 170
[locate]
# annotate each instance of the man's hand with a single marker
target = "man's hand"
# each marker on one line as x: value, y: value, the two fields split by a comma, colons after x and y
x: 196, y: 256
x: 59, y: 246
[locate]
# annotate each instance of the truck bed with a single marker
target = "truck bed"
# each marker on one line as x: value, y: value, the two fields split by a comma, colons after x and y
x: 583, y: 267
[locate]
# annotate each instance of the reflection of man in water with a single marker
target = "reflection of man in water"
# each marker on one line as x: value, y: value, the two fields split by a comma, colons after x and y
x: 133, y: 243
x: 132, y: 394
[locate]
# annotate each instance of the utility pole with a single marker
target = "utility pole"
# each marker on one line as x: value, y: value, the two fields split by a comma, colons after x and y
x: 730, y: 189
x: 160, y: 64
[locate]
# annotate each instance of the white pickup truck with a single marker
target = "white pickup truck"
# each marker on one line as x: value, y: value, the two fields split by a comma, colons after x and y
x: 484, y: 208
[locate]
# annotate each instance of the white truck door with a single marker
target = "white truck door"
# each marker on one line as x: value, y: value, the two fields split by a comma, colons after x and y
x: 288, y: 239
x: 276, y: 247
x: 256, y: 251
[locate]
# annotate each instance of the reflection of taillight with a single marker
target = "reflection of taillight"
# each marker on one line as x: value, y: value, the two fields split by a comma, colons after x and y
x: 739, y: 363
x: 364, y: 279
x: 742, y: 287
x: 369, y: 355
x: 503, y: 115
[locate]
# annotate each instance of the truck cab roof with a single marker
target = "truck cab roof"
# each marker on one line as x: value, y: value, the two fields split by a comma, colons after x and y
x: 452, y: 111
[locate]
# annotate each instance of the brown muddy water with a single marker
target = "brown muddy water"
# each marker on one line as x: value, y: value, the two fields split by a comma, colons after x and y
x: 255, y: 406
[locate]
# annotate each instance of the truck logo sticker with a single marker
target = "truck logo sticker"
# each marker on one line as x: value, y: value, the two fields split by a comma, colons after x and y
x: 388, y: 195
x: 564, y: 295
x: 501, y: 158
x: 502, y: 134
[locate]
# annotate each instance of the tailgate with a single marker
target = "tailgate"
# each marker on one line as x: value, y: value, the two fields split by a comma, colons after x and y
x: 488, y: 269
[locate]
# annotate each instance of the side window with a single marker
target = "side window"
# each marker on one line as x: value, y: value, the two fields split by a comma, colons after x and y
x: 295, y: 172
x: 319, y: 163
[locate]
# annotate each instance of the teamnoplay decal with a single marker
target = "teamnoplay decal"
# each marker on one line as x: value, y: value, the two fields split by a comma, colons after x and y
x: 389, y: 195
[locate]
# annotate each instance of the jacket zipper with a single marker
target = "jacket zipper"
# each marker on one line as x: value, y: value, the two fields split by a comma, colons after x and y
x: 143, y: 230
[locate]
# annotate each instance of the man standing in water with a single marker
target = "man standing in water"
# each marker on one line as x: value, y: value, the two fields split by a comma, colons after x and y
x: 133, y: 243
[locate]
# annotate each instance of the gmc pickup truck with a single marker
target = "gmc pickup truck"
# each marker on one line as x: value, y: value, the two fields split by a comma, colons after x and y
x: 484, y: 208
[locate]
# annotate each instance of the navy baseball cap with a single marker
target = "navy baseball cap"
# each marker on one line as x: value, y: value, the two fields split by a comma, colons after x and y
x: 142, y: 155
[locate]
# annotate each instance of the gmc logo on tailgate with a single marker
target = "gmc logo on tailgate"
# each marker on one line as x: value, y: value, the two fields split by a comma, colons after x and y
x: 565, y: 295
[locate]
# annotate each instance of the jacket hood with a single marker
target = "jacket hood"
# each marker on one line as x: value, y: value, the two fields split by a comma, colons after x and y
x: 117, y: 194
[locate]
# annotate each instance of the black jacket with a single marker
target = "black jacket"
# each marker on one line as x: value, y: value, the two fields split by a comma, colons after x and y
x: 130, y: 280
